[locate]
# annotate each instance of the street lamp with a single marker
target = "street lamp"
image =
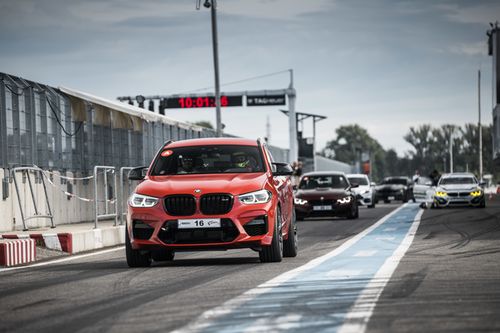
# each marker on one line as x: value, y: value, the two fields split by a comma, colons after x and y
x: 212, y: 5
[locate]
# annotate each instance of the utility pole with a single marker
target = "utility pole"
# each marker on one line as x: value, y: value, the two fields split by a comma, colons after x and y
x: 480, y: 128
x: 212, y: 4
x: 292, y: 121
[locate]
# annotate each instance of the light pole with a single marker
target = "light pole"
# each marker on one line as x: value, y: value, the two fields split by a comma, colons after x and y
x: 452, y: 135
x: 480, y: 128
x: 212, y: 4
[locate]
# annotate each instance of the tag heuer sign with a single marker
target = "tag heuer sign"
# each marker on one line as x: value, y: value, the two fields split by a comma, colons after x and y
x: 264, y: 100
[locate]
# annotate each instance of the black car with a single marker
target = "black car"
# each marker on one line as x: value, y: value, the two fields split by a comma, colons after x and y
x: 325, y: 194
x: 395, y: 188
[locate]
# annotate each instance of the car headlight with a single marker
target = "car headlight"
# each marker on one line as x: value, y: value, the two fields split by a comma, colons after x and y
x: 299, y: 201
x: 476, y: 193
x: 344, y: 200
x: 440, y: 194
x: 257, y: 197
x: 139, y: 200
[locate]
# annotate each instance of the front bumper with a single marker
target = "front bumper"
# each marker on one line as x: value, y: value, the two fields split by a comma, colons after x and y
x: 390, y: 195
x: 365, y: 199
x: 458, y: 199
x: 245, y: 226
x: 323, y: 210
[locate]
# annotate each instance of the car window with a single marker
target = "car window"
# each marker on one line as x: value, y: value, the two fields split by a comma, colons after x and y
x: 457, y: 180
x: 208, y: 159
x: 329, y: 181
x: 395, y: 181
x: 358, y: 180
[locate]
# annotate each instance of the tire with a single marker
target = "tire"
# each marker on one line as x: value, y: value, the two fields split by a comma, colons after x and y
x: 373, y: 204
x: 163, y: 255
x: 482, y: 204
x: 291, y: 245
x: 354, y: 212
x: 134, y: 257
x: 274, y: 252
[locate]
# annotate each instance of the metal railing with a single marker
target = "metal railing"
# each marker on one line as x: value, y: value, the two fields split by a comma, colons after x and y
x: 107, y: 197
x: 26, y: 171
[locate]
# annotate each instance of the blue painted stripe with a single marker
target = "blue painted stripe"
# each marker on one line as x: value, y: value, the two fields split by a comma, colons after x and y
x: 318, y: 299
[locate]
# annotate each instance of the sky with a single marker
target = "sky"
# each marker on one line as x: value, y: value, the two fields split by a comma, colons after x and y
x: 385, y: 65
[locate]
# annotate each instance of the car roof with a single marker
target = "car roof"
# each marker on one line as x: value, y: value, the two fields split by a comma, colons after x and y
x: 212, y: 142
x: 458, y: 175
x: 397, y: 177
x: 356, y: 175
x: 324, y: 173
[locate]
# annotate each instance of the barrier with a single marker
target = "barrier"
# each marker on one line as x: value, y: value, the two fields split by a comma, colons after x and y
x: 107, y: 198
x: 17, y: 251
x: 26, y: 171
x: 120, y: 193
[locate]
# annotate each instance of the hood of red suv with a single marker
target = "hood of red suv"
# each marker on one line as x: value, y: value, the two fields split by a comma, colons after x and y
x: 235, y: 184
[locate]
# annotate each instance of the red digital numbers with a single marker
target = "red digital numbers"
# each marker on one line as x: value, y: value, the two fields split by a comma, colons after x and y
x: 201, y: 102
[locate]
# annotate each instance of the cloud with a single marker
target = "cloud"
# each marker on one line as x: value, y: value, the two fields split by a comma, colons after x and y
x: 471, y: 49
x: 482, y: 13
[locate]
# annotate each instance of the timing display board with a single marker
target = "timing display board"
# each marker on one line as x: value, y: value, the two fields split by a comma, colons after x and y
x: 188, y: 102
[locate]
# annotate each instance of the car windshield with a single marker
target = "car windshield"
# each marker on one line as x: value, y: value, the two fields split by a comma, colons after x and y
x: 358, y: 180
x: 328, y: 181
x: 457, y: 181
x: 208, y: 159
x: 395, y: 181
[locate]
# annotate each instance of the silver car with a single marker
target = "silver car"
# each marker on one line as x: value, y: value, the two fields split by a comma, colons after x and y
x: 365, y: 192
x: 459, y: 189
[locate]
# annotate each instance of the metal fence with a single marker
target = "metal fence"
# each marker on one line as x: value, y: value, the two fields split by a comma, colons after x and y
x: 39, y: 126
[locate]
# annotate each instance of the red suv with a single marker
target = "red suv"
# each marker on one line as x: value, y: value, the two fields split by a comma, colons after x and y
x: 217, y: 193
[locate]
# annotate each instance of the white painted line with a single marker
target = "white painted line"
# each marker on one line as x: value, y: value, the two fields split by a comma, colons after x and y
x: 207, y: 318
x: 365, y: 253
x: 57, y: 261
x: 359, y: 315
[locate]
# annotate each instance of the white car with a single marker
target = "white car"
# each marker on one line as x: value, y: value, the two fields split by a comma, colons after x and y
x: 423, y: 191
x: 459, y: 189
x: 365, y: 192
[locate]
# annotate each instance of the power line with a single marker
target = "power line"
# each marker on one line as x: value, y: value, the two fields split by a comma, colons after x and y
x: 239, y: 81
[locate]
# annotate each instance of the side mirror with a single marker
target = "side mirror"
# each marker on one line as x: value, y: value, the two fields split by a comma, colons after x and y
x: 282, y: 169
x: 295, y: 187
x: 138, y: 173
x: 373, y: 184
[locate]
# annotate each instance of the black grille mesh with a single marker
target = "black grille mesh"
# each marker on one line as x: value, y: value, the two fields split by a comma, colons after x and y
x: 214, y: 204
x: 180, y: 205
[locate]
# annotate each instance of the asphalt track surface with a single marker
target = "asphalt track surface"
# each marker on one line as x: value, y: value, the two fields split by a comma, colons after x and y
x: 447, y: 280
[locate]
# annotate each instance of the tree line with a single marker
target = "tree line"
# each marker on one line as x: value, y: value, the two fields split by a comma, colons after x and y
x: 430, y: 150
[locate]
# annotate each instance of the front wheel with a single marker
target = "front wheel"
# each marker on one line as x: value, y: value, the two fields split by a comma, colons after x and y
x: 135, y: 258
x: 291, y: 244
x: 353, y: 212
x: 274, y: 251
